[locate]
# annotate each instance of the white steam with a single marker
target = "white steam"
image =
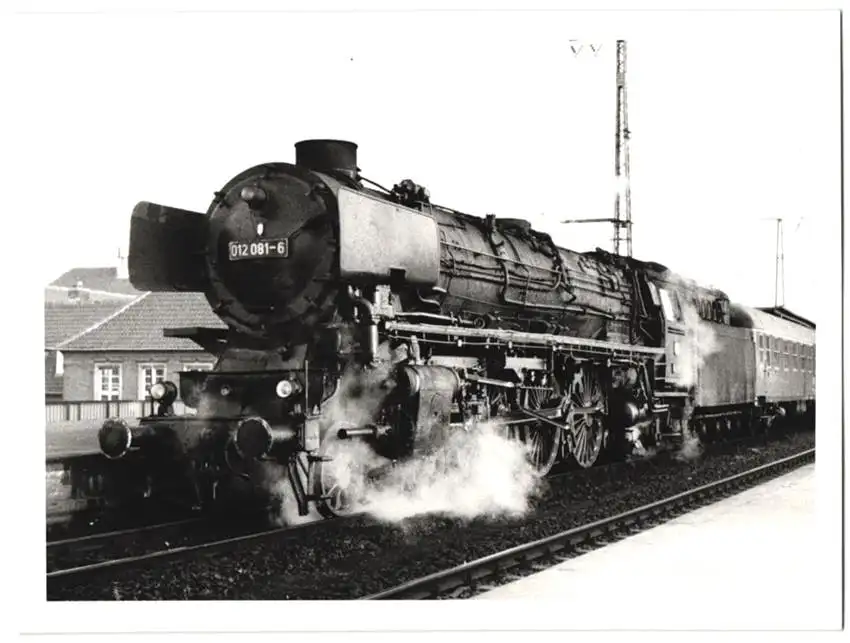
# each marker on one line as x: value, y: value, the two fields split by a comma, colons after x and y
x: 474, y: 473
x: 699, y: 342
x: 275, y: 479
x: 690, y: 450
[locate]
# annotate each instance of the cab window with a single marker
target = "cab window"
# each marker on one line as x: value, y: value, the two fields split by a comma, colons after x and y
x: 653, y: 292
x: 667, y: 304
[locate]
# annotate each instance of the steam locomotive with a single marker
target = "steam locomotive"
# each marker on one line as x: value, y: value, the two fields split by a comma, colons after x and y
x: 356, y: 312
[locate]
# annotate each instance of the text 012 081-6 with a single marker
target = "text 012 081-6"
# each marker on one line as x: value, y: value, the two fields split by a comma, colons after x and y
x: 258, y: 249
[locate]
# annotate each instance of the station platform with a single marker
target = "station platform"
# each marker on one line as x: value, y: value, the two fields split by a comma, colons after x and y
x: 71, y: 439
x: 746, y: 562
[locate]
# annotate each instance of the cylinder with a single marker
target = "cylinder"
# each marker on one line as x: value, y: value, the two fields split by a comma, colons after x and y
x: 324, y: 155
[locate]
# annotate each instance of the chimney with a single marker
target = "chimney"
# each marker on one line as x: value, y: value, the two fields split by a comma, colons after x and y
x: 323, y: 155
x: 123, y: 271
x: 74, y: 293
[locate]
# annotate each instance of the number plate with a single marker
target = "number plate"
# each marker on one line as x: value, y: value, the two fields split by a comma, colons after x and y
x: 265, y: 249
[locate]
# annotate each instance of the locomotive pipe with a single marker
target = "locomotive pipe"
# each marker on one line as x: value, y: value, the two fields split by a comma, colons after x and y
x: 367, y: 318
x: 117, y: 438
x: 367, y: 432
x: 478, y: 379
x: 256, y: 438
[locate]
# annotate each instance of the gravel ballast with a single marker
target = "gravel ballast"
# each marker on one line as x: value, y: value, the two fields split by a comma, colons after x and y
x: 351, y: 559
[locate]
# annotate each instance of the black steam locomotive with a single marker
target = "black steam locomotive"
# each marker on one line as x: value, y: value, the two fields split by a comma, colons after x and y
x: 361, y: 313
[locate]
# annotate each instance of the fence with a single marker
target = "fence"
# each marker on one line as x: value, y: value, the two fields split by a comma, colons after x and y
x: 81, y: 411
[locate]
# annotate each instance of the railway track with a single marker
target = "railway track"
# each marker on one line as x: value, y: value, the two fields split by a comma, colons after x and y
x: 252, y: 536
x: 481, y: 575
x: 92, y: 554
x: 93, y: 545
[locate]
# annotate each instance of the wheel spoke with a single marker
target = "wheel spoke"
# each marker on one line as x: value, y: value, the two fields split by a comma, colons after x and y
x: 542, y: 443
x: 586, y: 431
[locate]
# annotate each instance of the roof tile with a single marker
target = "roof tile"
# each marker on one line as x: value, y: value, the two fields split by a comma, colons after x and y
x: 139, y: 326
x: 64, y: 321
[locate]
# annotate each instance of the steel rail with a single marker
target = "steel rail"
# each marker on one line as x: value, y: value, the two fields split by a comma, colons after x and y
x: 119, y: 533
x: 67, y: 547
x: 522, y: 560
x: 84, y: 572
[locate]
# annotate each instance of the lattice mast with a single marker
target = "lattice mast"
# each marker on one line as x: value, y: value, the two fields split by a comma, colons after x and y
x: 779, y: 279
x: 622, y: 218
x: 622, y: 198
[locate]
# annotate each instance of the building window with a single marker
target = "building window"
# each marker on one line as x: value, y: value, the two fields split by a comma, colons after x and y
x: 197, y: 366
x: 60, y: 364
x: 107, y: 382
x: 149, y: 374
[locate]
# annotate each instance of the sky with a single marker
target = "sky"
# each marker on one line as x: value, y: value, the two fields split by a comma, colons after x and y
x: 734, y: 121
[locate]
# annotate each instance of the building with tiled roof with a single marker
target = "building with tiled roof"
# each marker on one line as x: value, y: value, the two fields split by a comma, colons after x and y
x: 122, y: 355
x: 62, y: 321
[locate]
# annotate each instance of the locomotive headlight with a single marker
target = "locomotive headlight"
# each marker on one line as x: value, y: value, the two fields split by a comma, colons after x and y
x: 164, y: 392
x: 284, y: 389
x: 252, y: 195
x: 225, y: 390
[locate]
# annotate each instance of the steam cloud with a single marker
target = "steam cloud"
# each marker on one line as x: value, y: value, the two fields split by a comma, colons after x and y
x: 274, y: 478
x: 691, y: 449
x: 699, y: 343
x: 474, y: 473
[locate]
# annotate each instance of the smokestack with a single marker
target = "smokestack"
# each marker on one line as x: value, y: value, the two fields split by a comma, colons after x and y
x: 323, y: 155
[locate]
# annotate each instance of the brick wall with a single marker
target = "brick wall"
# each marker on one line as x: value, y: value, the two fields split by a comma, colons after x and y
x: 52, y: 382
x: 79, y: 370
